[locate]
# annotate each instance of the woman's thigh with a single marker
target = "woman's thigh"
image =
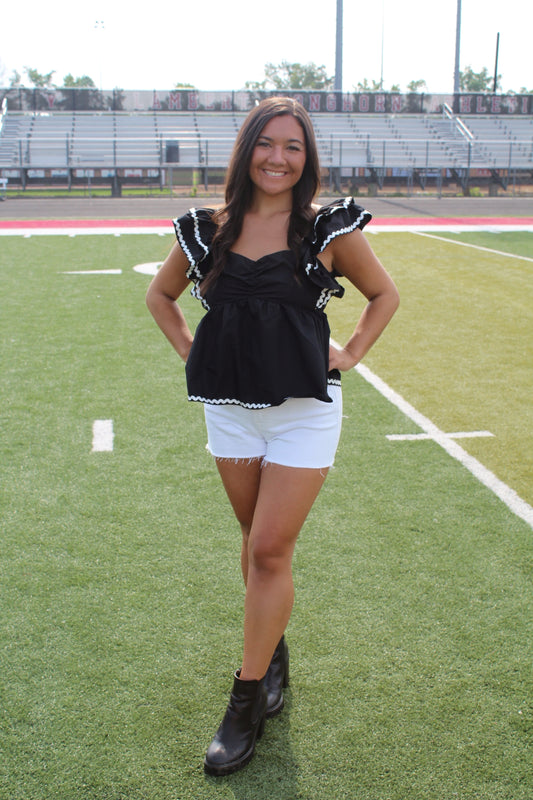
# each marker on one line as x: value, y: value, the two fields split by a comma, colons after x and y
x: 241, y: 480
x: 270, y: 501
x: 285, y: 498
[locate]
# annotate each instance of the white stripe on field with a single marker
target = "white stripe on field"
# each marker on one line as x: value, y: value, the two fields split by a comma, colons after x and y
x: 102, y: 436
x: 487, y: 478
x: 95, y: 272
x: 473, y: 246
x: 415, y: 437
x: 164, y: 230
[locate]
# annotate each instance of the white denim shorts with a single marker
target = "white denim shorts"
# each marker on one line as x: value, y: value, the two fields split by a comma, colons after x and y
x: 301, y: 432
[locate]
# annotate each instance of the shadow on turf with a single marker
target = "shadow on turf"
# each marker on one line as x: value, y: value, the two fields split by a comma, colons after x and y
x: 272, y: 772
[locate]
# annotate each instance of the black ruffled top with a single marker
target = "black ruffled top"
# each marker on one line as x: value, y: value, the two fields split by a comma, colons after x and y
x: 265, y: 335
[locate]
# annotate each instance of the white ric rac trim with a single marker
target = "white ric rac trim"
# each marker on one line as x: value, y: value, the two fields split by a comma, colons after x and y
x: 183, y: 243
x: 197, y: 232
x: 195, y: 292
x: 193, y: 273
x: 348, y: 229
x: 325, y: 297
x: 346, y: 203
x: 227, y: 401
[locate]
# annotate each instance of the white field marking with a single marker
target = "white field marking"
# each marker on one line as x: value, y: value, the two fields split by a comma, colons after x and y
x: 457, y: 228
x: 102, y: 436
x: 28, y: 232
x: 164, y: 230
x: 507, y: 495
x: 413, y: 437
x: 94, y: 272
x: 148, y: 269
x: 473, y: 246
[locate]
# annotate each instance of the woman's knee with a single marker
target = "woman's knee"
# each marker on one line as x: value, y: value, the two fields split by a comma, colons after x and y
x: 268, y: 555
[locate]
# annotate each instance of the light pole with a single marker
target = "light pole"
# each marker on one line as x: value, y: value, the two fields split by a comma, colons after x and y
x: 382, y: 41
x: 338, y: 49
x: 99, y: 26
x: 456, y: 74
x: 495, y: 84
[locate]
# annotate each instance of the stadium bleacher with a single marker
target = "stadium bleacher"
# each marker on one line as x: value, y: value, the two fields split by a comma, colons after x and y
x: 72, y: 141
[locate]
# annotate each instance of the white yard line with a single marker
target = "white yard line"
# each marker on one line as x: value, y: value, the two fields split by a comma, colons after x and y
x: 28, y: 232
x: 485, y: 476
x: 102, y: 436
x: 473, y: 246
x: 94, y: 272
x: 414, y: 437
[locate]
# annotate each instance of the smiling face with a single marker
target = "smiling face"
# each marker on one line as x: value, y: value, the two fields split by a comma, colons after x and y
x: 279, y: 156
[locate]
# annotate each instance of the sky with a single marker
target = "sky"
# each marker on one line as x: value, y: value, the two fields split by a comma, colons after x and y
x: 218, y: 45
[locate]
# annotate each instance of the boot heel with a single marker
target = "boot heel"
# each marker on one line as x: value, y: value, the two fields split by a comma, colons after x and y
x: 286, y: 676
x: 277, y: 679
x: 261, y: 728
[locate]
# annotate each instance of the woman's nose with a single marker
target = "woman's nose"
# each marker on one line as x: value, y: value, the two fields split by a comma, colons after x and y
x: 276, y: 155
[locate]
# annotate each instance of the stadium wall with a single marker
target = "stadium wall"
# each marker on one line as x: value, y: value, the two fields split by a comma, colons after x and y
x: 38, y: 100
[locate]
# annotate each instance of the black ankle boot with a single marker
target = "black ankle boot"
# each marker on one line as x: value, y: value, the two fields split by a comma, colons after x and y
x: 242, y: 725
x: 277, y: 679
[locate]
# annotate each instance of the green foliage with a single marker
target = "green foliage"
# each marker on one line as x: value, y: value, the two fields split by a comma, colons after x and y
x: 366, y: 86
x: 417, y: 86
x: 290, y: 77
x: 374, y: 86
x: 85, y: 82
x: 38, y: 79
x: 470, y: 81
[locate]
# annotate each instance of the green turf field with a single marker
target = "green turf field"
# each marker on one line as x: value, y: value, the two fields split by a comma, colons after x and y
x: 120, y: 593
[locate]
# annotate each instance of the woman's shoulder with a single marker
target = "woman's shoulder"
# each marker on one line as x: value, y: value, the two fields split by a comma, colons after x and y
x: 335, y: 219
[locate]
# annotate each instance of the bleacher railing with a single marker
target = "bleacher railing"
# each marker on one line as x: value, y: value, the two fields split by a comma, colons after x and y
x: 66, y: 152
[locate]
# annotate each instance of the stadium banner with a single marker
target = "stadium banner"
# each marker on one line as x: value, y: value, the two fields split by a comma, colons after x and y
x: 44, y: 100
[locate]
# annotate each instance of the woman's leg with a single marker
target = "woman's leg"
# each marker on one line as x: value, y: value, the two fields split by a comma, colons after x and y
x: 286, y: 495
x: 271, y: 504
x: 241, y: 481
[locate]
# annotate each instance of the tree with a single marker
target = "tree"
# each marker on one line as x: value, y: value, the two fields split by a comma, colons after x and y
x: 368, y: 86
x: 184, y: 86
x: 40, y: 81
x: 69, y: 82
x: 416, y: 86
x: 470, y: 81
x: 374, y: 86
x: 293, y: 77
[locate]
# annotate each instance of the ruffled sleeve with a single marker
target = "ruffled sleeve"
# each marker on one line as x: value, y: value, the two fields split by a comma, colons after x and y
x: 335, y: 219
x: 194, y: 232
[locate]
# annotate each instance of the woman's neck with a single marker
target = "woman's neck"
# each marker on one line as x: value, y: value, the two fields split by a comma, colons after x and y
x: 266, y: 206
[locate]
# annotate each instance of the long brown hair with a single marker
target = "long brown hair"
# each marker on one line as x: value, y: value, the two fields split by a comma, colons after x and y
x: 239, y: 186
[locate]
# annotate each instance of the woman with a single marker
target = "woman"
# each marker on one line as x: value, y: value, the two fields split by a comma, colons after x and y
x: 262, y: 364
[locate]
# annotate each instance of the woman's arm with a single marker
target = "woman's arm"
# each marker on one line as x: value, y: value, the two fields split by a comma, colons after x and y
x: 167, y: 285
x: 353, y: 257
